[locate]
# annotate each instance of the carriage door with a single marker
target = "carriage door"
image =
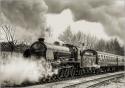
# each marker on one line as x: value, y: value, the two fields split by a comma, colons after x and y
x: 88, y: 59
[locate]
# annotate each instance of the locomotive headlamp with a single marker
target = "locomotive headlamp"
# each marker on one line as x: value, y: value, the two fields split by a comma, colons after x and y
x: 41, y: 39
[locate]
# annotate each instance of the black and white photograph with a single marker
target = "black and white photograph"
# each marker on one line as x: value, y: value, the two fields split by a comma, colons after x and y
x: 62, y: 43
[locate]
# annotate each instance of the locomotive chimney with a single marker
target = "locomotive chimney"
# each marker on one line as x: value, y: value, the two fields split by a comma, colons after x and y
x: 56, y: 43
x: 41, y: 39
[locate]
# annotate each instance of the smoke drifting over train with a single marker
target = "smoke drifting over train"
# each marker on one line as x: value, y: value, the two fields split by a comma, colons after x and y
x: 26, y: 15
x: 28, y: 18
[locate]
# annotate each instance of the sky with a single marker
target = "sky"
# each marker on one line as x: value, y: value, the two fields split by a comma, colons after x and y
x: 59, y: 22
x: 102, y: 18
x: 26, y: 16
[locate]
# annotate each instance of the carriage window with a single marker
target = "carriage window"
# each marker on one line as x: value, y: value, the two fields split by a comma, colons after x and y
x: 88, y: 53
x: 102, y: 56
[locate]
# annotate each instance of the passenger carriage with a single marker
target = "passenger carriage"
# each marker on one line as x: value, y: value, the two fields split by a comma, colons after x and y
x: 110, y: 62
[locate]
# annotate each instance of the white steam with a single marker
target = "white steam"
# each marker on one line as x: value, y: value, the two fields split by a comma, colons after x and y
x: 16, y: 70
x: 28, y: 16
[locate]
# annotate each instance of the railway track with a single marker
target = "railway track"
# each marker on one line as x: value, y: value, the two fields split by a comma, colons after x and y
x: 95, y: 81
x: 84, y: 82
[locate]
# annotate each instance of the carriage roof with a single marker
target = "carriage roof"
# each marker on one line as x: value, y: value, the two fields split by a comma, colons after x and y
x: 109, y: 54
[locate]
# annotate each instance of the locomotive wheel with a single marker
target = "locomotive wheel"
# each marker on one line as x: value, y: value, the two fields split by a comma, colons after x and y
x: 113, y: 69
x: 101, y: 70
x: 57, y: 77
x: 61, y: 75
x: 108, y: 69
x: 72, y: 72
x: 76, y: 72
x: 87, y: 71
x: 54, y: 78
x: 43, y: 80
x: 48, y: 79
x: 83, y: 72
x: 80, y: 72
x: 67, y: 73
x: 90, y: 71
x: 93, y: 71
x: 97, y: 71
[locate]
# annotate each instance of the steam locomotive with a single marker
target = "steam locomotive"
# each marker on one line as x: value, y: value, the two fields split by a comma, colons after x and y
x: 72, y: 61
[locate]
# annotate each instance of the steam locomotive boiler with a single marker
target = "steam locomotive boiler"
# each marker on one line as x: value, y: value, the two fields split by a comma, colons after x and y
x: 67, y: 58
x: 71, y: 62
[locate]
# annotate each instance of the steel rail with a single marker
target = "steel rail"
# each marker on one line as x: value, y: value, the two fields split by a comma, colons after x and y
x: 94, y: 82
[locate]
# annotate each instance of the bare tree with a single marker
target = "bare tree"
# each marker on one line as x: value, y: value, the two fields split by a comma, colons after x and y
x: 101, y: 45
x: 67, y: 36
x: 9, y: 32
x: 78, y: 38
x: 111, y: 46
x: 91, y: 42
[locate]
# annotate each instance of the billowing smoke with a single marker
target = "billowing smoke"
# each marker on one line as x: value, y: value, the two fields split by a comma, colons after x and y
x: 16, y: 70
x: 28, y: 16
x: 108, y: 12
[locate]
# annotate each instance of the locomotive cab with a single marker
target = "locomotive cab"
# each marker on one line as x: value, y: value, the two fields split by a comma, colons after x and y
x: 73, y: 50
x: 89, y: 58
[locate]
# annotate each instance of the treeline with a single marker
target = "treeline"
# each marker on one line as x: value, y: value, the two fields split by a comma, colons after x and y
x: 91, y: 42
x: 10, y: 47
x: 111, y: 46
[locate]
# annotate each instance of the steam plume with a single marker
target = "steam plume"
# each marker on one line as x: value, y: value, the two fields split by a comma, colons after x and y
x: 26, y: 15
x: 15, y: 70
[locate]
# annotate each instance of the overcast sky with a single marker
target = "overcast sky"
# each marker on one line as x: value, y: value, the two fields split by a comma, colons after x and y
x: 59, y: 22
x: 102, y: 18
